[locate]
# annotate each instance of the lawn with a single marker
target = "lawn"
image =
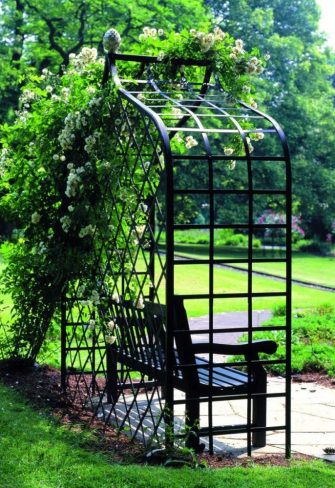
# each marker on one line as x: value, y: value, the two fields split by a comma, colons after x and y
x: 194, y: 279
x: 36, y: 452
x: 306, y: 267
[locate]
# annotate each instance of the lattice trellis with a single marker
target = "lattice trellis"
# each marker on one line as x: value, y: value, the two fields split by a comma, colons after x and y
x: 115, y: 359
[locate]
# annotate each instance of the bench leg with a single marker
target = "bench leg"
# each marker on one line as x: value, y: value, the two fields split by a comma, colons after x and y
x: 111, y: 380
x: 192, y: 424
x: 259, y: 410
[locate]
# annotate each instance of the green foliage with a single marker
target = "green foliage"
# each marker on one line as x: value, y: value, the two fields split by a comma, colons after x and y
x: 279, y: 310
x: 56, y: 157
x: 297, y: 89
x: 313, y: 341
x: 43, y: 34
x: 314, y: 246
x: 224, y: 237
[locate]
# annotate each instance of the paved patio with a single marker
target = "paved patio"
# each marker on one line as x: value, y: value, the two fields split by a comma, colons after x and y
x: 313, y: 420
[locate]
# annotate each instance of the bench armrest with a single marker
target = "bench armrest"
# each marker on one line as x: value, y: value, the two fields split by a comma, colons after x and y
x: 266, y: 346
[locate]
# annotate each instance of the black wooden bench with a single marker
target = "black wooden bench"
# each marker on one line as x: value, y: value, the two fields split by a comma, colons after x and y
x: 140, y: 346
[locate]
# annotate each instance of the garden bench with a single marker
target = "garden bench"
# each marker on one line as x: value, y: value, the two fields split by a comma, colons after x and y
x: 140, y: 346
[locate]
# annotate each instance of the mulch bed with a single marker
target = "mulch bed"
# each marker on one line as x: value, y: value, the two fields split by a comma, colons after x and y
x: 319, y: 378
x: 41, y: 387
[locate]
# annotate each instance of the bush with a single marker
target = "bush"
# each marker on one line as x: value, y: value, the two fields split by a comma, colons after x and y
x: 313, y: 246
x: 313, y: 342
x: 279, y: 310
x: 224, y: 238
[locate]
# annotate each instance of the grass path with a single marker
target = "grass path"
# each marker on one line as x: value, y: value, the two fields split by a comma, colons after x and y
x: 306, y: 267
x: 36, y: 453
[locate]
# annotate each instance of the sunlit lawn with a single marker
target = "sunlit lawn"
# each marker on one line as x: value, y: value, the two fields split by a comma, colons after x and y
x: 306, y: 267
x: 193, y: 279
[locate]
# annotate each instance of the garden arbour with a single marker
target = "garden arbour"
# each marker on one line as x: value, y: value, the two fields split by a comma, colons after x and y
x: 122, y: 351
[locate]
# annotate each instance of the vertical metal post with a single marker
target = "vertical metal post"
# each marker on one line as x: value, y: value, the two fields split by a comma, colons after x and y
x: 211, y: 300
x: 250, y: 288
x: 169, y: 352
x: 94, y: 345
x: 152, y: 250
x: 63, y: 343
x: 288, y: 302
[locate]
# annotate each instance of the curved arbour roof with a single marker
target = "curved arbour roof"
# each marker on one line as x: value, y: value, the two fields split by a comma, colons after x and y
x: 206, y: 113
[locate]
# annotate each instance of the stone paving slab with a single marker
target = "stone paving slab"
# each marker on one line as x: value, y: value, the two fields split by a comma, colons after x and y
x: 313, y: 421
x: 232, y: 320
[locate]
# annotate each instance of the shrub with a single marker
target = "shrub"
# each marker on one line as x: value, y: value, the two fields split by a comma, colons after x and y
x: 313, y: 343
x: 279, y: 310
x: 314, y: 246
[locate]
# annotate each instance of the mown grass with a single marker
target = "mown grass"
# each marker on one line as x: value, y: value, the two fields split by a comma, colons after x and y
x: 193, y: 279
x: 35, y: 452
x: 306, y: 267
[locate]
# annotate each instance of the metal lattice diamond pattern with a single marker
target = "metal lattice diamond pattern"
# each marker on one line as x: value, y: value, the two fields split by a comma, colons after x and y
x: 128, y: 264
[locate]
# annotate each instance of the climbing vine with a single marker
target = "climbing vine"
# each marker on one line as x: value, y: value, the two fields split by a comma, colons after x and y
x: 57, y: 156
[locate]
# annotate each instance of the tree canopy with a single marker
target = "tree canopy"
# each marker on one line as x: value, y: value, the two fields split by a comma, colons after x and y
x: 296, y: 87
x: 40, y: 35
x: 297, y: 90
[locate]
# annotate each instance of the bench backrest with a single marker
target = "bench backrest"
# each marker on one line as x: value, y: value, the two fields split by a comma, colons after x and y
x: 141, y: 336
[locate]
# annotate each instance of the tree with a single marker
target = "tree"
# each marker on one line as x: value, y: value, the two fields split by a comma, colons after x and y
x: 42, y: 35
x: 297, y: 90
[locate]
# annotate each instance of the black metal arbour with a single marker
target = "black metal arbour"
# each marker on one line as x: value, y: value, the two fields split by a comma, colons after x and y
x: 130, y: 382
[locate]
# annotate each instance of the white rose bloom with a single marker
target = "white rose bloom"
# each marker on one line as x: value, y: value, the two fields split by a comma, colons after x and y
x: 110, y: 339
x: 258, y: 136
x: 111, y: 325
x: 66, y: 223
x: 139, y: 303
x: 91, y: 324
x: 228, y: 151
x: 190, y: 142
x: 250, y: 146
x: 115, y: 297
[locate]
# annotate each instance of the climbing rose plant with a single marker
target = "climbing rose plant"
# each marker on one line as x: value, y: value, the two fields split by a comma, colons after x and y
x: 60, y: 151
